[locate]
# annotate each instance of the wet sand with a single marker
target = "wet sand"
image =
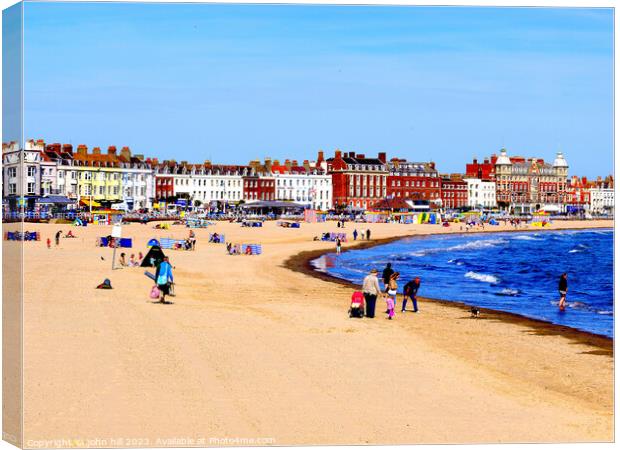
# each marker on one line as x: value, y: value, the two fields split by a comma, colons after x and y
x: 254, y: 351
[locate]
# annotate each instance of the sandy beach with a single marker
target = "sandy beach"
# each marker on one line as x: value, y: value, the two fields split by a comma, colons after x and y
x: 257, y: 351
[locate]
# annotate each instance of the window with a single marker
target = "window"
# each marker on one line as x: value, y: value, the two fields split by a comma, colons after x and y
x: 31, y: 171
x: 12, y: 171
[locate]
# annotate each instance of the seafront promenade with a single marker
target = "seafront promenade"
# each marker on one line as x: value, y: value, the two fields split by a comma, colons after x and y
x: 254, y: 350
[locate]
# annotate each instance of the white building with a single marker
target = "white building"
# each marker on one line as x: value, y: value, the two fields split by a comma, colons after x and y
x: 21, y: 170
x: 602, y: 200
x: 205, y: 184
x: 307, y: 185
x: 480, y: 193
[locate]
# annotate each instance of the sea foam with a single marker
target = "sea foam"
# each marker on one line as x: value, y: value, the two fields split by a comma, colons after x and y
x: 482, y: 277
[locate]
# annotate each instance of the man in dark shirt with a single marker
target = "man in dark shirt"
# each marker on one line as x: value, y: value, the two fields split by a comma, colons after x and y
x: 387, y: 273
x: 563, y: 288
x: 411, y: 291
x: 58, y: 234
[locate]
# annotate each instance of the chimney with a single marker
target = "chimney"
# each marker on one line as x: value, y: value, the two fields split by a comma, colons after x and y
x: 361, y: 156
x: 432, y: 165
x: 82, y: 149
x: 382, y: 157
x: 295, y: 163
x: 287, y: 163
x: 338, y: 154
x: 207, y: 163
x: 306, y: 164
x: 125, y: 152
x: 351, y: 154
x: 268, y: 164
x: 67, y: 148
x: 475, y: 161
x: 276, y: 162
x: 154, y: 161
x: 321, y: 158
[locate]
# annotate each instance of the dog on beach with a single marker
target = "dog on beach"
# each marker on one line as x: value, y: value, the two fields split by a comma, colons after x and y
x: 475, y: 312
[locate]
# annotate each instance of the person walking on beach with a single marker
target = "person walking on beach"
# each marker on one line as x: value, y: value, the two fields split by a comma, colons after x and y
x: 164, y: 278
x: 368, y: 234
x: 338, y: 245
x: 563, y: 288
x: 386, y: 275
x: 371, y: 289
x: 411, y: 291
x: 355, y: 234
x: 57, y: 238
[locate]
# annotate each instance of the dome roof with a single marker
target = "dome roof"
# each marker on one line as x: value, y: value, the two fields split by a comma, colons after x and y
x: 503, y: 158
x: 559, y: 160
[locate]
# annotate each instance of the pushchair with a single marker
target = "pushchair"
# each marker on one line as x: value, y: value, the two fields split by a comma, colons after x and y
x: 357, y: 305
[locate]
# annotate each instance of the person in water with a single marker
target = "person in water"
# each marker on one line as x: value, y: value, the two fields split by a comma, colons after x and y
x: 563, y: 288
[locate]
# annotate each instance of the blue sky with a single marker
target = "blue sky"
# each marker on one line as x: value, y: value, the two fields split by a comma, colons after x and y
x: 238, y: 82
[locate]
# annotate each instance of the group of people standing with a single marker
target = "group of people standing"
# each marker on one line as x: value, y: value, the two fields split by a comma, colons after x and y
x: 372, y: 290
x: 363, y: 234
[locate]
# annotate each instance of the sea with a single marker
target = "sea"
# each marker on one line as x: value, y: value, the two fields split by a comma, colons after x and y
x: 516, y: 272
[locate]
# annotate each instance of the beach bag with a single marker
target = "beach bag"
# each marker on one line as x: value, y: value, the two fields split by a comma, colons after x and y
x: 105, y: 285
x: 154, y: 294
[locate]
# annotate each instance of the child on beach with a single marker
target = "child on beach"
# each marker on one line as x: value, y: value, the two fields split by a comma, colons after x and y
x: 392, y: 291
x: 390, y: 306
x: 49, y: 243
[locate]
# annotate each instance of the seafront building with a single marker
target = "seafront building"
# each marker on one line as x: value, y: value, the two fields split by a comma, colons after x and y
x: 527, y: 185
x: 480, y: 193
x: 453, y: 191
x: 307, y: 184
x: 414, y: 180
x: 602, y: 196
x: 55, y: 177
x: 211, y: 185
x: 358, y: 182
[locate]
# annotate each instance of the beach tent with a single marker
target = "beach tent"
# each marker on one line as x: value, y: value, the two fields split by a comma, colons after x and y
x: 154, y: 256
x: 153, y: 243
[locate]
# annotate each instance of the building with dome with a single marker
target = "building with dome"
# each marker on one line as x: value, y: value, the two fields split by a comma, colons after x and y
x: 526, y: 185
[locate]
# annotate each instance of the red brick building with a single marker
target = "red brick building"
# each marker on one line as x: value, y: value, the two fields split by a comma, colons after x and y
x: 164, y: 184
x: 413, y: 180
x: 257, y: 187
x: 484, y: 171
x: 578, y: 193
x: 357, y: 182
x: 453, y: 191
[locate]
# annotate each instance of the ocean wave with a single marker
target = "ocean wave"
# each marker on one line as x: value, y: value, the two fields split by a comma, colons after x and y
x: 509, y: 292
x: 526, y: 238
x: 472, y: 245
x: 456, y: 261
x: 605, y: 313
x: 486, y: 278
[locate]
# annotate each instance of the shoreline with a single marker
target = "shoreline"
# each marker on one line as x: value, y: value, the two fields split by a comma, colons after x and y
x: 302, y: 263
